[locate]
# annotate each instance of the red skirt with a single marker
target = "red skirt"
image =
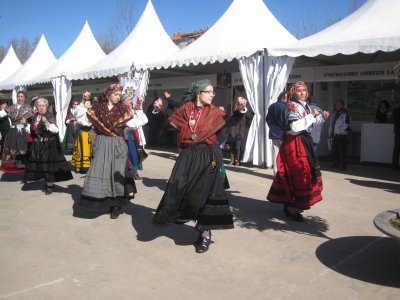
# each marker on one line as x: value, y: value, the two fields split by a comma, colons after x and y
x: 298, y: 182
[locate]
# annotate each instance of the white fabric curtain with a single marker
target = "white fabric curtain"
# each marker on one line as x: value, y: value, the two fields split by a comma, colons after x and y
x: 264, y: 77
x: 62, y: 95
x: 251, y: 71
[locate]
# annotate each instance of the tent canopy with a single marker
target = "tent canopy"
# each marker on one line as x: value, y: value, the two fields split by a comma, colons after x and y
x: 39, y: 61
x: 83, y: 52
x: 147, y: 42
x: 9, y: 65
x: 375, y: 26
x: 245, y: 28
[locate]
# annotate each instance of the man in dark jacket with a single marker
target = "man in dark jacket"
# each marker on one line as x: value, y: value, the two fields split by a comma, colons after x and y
x: 396, y: 148
x: 276, y: 120
x: 172, y: 106
x: 4, y: 124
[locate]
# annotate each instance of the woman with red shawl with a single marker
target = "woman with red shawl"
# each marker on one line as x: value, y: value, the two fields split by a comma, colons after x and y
x: 196, y: 190
x: 298, y: 182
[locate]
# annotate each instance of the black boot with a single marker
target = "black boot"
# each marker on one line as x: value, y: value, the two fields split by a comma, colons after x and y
x: 115, y: 212
x: 48, y: 189
x: 203, y: 242
x: 298, y: 217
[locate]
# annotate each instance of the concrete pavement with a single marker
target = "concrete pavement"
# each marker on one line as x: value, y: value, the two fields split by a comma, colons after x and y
x: 337, y: 253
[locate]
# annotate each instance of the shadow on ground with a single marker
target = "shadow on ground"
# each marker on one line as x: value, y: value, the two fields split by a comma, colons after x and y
x: 8, y: 177
x: 142, y: 217
x: 154, y: 182
x: 371, y: 259
x: 372, y: 171
x: 248, y: 170
x: 262, y: 215
x: 386, y: 186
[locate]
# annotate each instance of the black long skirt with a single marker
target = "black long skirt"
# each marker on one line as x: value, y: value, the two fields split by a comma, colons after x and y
x: 195, y: 190
x: 46, y: 161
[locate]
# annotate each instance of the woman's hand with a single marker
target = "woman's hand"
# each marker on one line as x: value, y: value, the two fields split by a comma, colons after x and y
x: 315, y: 112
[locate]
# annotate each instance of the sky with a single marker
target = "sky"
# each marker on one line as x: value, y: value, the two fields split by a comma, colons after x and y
x: 62, y: 20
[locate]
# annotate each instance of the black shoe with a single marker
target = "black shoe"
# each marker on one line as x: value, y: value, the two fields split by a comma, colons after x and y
x: 202, y: 244
x: 131, y: 195
x: 48, y: 190
x: 298, y: 217
x: 115, y: 212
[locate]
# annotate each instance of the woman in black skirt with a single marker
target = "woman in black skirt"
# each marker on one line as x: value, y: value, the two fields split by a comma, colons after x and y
x: 46, y: 159
x: 196, y: 190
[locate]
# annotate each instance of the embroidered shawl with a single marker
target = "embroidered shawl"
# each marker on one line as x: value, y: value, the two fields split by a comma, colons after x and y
x: 109, y: 122
x: 210, y: 121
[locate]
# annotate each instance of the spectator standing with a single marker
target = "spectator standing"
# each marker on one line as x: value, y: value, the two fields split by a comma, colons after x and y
x: 236, y: 127
x: 4, y: 124
x: 396, y: 148
x: 277, y: 123
x: 172, y: 106
x: 339, y: 129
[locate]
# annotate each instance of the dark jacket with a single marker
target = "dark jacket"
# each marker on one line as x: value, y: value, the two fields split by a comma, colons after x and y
x: 4, y: 122
x: 236, y: 125
x: 276, y: 120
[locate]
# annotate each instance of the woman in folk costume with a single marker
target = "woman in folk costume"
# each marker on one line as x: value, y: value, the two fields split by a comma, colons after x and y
x: 46, y: 159
x: 72, y: 131
x: 82, y: 154
x: 298, y: 182
x: 195, y: 190
x: 16, y: 144
x: 107, y: 188
x: 132, y: 135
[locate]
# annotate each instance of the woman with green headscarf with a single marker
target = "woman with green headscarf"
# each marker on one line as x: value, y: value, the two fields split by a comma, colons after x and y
x: 195, y: 190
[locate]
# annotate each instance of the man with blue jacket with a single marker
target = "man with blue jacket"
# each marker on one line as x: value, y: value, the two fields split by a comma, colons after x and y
x: 277, y: 123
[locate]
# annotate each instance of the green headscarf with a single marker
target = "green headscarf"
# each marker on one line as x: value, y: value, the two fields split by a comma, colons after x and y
x: 197, y: 87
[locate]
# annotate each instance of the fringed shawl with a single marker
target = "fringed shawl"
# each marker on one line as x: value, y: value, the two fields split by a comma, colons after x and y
x: 211, y: 120
x: 109, y: 122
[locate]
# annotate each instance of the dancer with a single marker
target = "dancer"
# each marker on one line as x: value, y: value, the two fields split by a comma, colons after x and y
x: 134, y: 136
x: 46, y: 159
x: 298, y: 182
x: 195, y: 190
x: 16, y: 145
x: 82, y: 154
x: 106, y: 187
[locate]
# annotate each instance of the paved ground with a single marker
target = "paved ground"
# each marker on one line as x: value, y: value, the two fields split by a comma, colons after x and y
x: 47, y: 253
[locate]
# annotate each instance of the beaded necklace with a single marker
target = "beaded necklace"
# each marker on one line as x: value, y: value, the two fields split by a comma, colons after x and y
x: 194, y: 118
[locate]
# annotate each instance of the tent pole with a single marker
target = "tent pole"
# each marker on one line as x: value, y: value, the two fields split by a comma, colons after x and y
x: 263, y: 114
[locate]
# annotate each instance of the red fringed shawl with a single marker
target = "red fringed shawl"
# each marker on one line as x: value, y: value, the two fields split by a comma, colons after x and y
x: 211, y: 120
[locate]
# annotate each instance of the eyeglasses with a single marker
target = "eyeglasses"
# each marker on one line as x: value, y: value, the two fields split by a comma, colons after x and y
x: 208, y: 92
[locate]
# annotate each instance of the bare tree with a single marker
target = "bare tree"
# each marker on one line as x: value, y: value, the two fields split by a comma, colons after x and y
x: 3, y: 52
x: 120, y: 28
x: 108, y: 41
x: 23, y: 48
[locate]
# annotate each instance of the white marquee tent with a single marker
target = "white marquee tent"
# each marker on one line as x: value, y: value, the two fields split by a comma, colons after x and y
x: 9, y: 65
x: 83, y: 52
x: 246, y: 28
x: 375, y: 26
x: 147, y: 42
x: 39, y: 61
